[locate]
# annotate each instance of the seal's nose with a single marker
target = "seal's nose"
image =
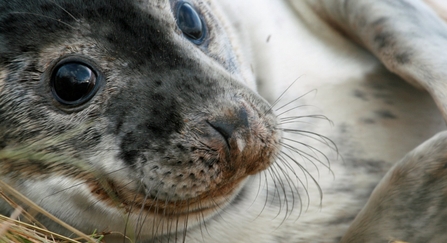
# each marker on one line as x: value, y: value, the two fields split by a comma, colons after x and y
x: 227, y: 125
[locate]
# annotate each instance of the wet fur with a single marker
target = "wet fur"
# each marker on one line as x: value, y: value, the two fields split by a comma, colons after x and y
x: 140, y: 158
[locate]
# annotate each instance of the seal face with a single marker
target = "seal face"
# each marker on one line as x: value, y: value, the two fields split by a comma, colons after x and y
x: 141, y: 109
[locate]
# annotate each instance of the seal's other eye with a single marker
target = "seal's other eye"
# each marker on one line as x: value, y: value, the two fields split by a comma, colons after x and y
x: 73, y: 83
x: 190, y: 23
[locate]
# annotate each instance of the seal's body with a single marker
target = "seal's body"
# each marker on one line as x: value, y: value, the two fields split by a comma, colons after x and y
x: 142, y: 117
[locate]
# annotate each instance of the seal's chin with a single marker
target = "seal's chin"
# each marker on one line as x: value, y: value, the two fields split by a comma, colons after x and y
x: 137, y: 202
x: 155, y: 217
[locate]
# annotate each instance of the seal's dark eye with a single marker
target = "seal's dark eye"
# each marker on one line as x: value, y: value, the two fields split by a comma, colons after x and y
x: 73, y: 83
x: 190, y: 23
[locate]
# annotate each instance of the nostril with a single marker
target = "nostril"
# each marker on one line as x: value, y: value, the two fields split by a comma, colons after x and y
x: 226, y: 126
x: 243, y: 117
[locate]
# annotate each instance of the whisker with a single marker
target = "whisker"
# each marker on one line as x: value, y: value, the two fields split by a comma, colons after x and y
x: 292, y: 186
x: 266, y: 191
x: 314, y: 136
x: 203, y: 222
x: 154, y: 232
x: 43, y: 16
x: 303, y: 156
x: 291, y: 119
x: 292, y: 170
x: 308, y: 173
x: 284, y: 161
x: 82, y: 183
x: 68, y: 13
x: 185, y: 229
x: 169, y: 221
x: 176, y: 228
x: 126, y: 225
x: 291, y: 109
x: 140, y: 219
x: 314, y: 150
x: 282, y: 94
x: 299, y: 97
x: 278, y: 184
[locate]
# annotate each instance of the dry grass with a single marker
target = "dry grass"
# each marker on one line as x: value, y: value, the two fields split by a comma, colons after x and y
x: 22, y: 227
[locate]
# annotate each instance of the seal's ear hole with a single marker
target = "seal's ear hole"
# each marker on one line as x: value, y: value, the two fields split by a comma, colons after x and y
x: 190, y: 22
x: 73, y: 82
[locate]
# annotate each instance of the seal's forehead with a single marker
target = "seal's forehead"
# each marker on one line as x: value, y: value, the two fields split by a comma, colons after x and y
x: 153, y: 3
x: 130, y: 26
x: 143, y: 34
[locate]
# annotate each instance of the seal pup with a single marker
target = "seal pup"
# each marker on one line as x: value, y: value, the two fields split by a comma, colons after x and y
x: 136, y: 117
x: 164, y: 138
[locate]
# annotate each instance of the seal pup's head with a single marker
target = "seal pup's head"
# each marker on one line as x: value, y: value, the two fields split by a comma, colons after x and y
x: 137, y: 114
